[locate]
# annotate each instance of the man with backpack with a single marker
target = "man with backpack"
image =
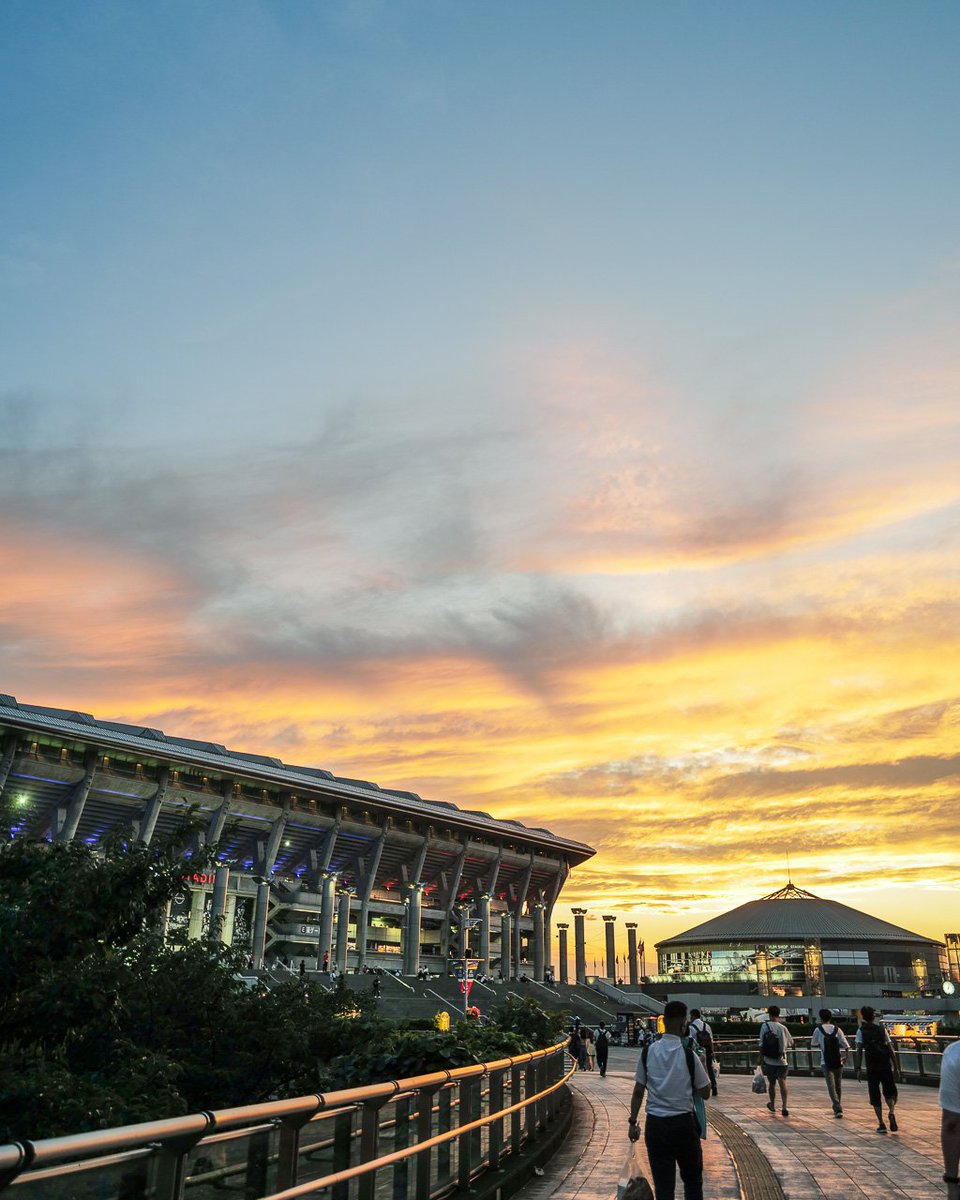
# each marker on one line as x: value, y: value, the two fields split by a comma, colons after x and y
x: 775, y: 1041
x: 832, y: 1043
x: 673, y: 1077
x: 601, y: 1044
x: 873, y: 1042
x: 702, y: 1034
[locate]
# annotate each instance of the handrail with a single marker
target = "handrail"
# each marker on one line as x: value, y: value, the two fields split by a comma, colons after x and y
x: 166, y: 1143
x: 386, y: 1160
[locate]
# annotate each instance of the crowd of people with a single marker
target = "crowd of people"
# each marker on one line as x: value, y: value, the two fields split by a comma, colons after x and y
x: 677, y: 1073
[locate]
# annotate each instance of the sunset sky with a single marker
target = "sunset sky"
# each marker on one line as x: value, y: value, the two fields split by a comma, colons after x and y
x: 553, y: 408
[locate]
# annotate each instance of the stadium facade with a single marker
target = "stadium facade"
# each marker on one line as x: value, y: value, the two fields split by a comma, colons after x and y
x: 795, y: 944
x: 308, y: 864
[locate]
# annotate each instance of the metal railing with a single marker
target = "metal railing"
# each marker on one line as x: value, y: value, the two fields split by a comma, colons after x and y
x: 410, y: 1139
x: 919, y: 1062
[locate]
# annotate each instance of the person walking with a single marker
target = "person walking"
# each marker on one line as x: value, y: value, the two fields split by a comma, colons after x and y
x: 832, y: 1043
x: 873, y: 1043
x: 603, y: 1048
x: 591, y: 1048
x: 672, y: 1076
x: 575, y: 1047
x: 949, y: 1099
x: 702, y: 1034
x: 775, y: 1041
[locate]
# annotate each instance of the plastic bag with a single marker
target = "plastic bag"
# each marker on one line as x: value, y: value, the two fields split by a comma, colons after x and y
x: 632, y: 1184
x: 759, y: 1085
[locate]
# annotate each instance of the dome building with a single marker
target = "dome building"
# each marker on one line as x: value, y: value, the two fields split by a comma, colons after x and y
x: 793, y: 943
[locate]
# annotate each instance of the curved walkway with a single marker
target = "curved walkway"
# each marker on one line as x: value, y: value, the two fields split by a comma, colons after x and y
x: 813, y: 1156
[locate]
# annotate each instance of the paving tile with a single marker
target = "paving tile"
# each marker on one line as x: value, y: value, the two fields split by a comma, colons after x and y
x: 814, y: 1156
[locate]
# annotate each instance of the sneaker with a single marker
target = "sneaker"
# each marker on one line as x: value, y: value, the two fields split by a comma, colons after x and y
x: 713, y: 1091
x: 784, y: 1112
x: 893, y: 1123
x: 771, y: 1107
x: 839, y: 1113
x: 881, y: 1129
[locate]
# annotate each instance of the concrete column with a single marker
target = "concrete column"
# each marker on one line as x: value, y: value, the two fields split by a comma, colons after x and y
x: 198, y: 905
x: 77, y: 801
x: 151, y: 812
x: 343, y: 926
x: 515, y: 945
x: 538, y: 938
x: 261, y: 910
x: 611, y: 940
x: 221, y: 881
x: 547, y: 943
x: 229, y: 913
x: 562, y: 928
x: 363, y: 921
x: 580, y: 943
x: 484, y: 906
x: 411, y: 940
x: 328, y: 888
x: 632, y: 964
x: 506, y: 944
x: 9, y: 753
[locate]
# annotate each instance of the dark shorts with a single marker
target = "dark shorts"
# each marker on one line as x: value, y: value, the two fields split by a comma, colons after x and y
x: 775, y: 1071
x: 881, y: 1081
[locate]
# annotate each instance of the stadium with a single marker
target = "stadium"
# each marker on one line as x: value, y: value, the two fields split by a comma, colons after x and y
x: 795, y: 944
x: 339, y: 872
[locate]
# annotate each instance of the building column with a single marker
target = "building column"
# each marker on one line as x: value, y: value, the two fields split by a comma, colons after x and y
x: 78, y: 800
x: 153, y: 807
x: 221, y: 881
x: 632, y: 963
x: 229, y: 914
x: 343, y: 928
x: 328, y: 887
x: 580, y: 943
x: 9, y: 754
x: 261, y: 910
x: 484, y: 905
x: 562, y: 927
x: 611, y: 940
x: 371, y: 864
x: 198, y: 905
x: 411, y: 939
x: 538, y: 938
x: 506, y: 943
x: 516, y: 940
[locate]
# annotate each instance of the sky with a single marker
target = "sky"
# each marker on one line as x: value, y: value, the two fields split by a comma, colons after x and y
x: 549, y: 408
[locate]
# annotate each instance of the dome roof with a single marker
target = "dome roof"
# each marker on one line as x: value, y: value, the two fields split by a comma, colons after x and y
x: 795, y: 914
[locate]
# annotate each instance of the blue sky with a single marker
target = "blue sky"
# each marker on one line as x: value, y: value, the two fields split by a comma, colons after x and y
x: 374, y: 368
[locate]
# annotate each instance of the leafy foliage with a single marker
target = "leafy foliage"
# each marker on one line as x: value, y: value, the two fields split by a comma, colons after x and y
x: 104, y: 1024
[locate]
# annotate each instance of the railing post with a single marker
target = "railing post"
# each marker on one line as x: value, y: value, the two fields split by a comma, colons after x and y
x: 288, y: 1147
x: 516, y: 1095
x: 495, y: 1144
x: 530, y: 1112
x: 401, y: 1140
x: 342, y: 1142
x: 171, y: 1172
x: 469, y: 1095
x: 424, y: 1131
x: 444, y: 1124
x: 369, y: 1139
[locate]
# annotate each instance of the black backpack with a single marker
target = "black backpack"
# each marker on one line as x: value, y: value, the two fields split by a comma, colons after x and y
x: 874, y: 1044
x: 600, y: 1040
x: 831, y: 1049
x: 770, y: 1044
x: 703, y: 1038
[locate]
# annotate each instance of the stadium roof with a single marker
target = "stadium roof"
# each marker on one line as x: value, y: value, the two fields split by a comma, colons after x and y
x: 793, y: 913
x: 152, y: 745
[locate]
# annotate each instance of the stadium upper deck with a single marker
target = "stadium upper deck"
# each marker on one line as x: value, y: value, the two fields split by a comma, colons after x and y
x: 312, y: 865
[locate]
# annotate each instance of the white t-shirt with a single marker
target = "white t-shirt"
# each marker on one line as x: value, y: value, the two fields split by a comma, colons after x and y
x: 816, y: 1039
x: 668, y: 1088
x: 786, y: 1041
x: 950, y: 1078
x: 699, y: 1025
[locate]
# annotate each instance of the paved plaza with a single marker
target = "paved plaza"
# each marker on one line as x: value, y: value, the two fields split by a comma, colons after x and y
x: 812, y: 1155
